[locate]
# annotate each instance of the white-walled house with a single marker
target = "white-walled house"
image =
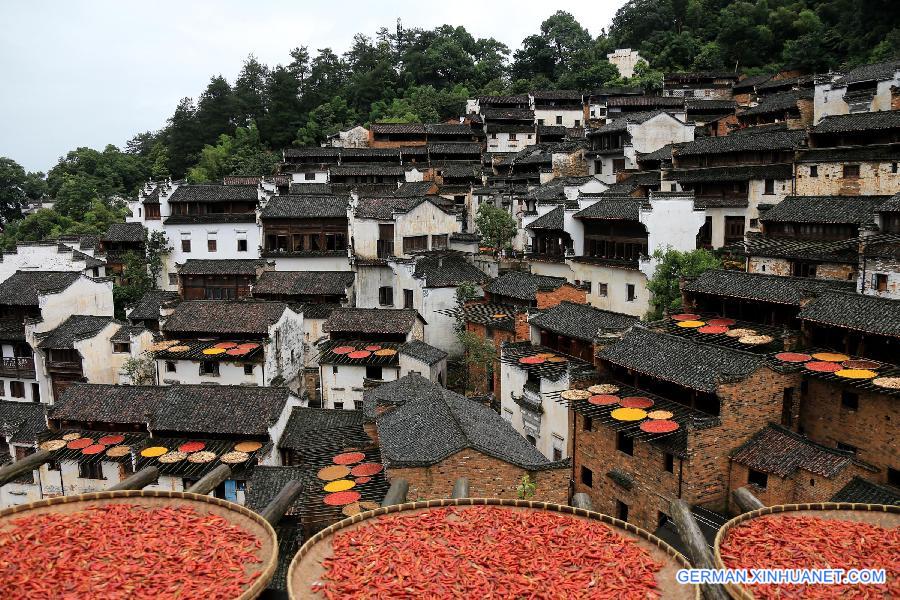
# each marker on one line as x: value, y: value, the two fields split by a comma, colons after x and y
x: 558, y: 107
x: 52, y: 256
x: 864, y: 89
x: 306, y: 232
x: 20, y: 424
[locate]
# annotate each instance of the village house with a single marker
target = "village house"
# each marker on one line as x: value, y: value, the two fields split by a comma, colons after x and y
x: 710, y: 114
x: 53, y: 256
x: 863, y: 89
x: 118, y: 240
x: 558, y: 107
x: 705, y: 84
x: 625, y: 60
x: 146, y: 311
x: 229, y: 342
x: 577, y: 329
x: 619, y: 106
x: 306, y: 287
x: 430, y: 437
x: 714, y: 399
x: 306, y: 232
x: 395, y: 135
x: 595, y: 102
x: 20, y: 424
x: 794, y: 108
x: 218, y: 279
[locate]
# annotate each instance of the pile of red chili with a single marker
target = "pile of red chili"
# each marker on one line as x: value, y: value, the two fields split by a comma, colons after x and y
x: 486, y: 551
x: 126, y: 551
x: 801, y: 542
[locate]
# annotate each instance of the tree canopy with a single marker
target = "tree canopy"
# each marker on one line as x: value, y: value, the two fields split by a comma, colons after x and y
x: 672, y: 265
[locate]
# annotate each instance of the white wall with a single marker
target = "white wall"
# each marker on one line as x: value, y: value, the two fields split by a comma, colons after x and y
x: 616, y: 280
x: 499, y: 141
x: 311, y: 263
x: 347, y: 384
x: 284, y: 350
x: 829, y: 99
x: 553, y: 428
x: 43, y: 257
x: 188, y: 372
x: 98, y: 361
x: 569, y: 117
x: 671, y: 222
x: 436, y: 372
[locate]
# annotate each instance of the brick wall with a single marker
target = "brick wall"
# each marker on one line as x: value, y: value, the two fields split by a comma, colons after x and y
x: 872, y: 428
x: 895, y: 97
x: 798, y: 488
x: 566, y: 292
x: 875, y: 177
x: 842, y: 272
x: 489, y: 477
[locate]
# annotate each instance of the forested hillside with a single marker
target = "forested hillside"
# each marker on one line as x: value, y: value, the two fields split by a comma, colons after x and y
x: 406, y: 75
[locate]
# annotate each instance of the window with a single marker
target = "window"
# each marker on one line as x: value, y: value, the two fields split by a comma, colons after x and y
x: 170, y: 366
x: 769, y: 187
x: 248, y: 369
x: 540, y: 121
x: 669, y: 462
x: 557, y: 453
x: 624, y: 443
x: 373, y: 372
x: 242, y: 245
x: 531, y: 440
x: 618, y: 164
x: 529, y: 136
x: 493, y: 136
x: 757, y: 478
x: 415, y: 243
x: 173, y: 278
x: 893, y: 167
x: 121, y: 347
x: 851, y: 171
x: 2, y: 388
x: 439, y: 242
x: 734, y: 229
x: 209, y: 367
x: 661, y: 519
x: 407, y: 298
x: 357, y: 404
x: 153, y: 213
x: 334, y: 369
x: 621, y: 510
x: 602, y: 289
x: 629, y: 292
x: 849, y: 400
x: 339, y: 406
x: 309, y: 176
x: 512, y: 137
x: 559, y: 119
x: 814, y: 170
x: 588, y: 423
x: 754, y: 223
x: 386, y: 296
x: 577, y: 122
x: 211, y: 244
x: 185, y: 244
x: 880, y: 281
x: 17, y: 389
x: 893, y: 477
x: 787, y: 406
x: 587, y: 476
x: 90, y: 470
x: 846, y: 447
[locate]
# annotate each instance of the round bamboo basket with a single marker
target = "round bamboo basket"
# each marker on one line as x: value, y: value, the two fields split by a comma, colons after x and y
x: 235, y: 514
x: 875, y: 514
x: 306, y: 567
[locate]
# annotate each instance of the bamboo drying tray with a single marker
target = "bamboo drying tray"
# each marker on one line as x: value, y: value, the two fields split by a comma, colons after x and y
x: 874, y: 514
x: 306, y: 567
x: 235, y: 514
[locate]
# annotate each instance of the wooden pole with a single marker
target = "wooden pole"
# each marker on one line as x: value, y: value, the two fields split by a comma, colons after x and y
x: 138, y: 480
x: 282, y: 501
x: 582, y: 500
x: 29, y: 463
x: 745, y: 500
x: 211, y: 480
x: 698, y: 550
x: 461, y: 488
x: 397, y: 493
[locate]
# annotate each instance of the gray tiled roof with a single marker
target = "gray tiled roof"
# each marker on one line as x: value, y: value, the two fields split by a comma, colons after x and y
x: 777, y: 103
x: 23, y: 288
x: 384, y: 208
x: 892, y: 204
x: 305, y: 207
x: 448, y: 129
x: 864, y: 121
x: 214, y: 193
x: 125, y: 232
x: 312, y: 151
x: 613, y: 207
x: 125, y: 333
x: 873, y: 72
x: 763, y: 141
x: 860, y: 312
x: 76, y: 327
x: 764, y: 288
x: 454, y: 147
x: 664, y: 153
x: 147, y: 308
x: 843, y: 251
x: 224, y: 317
x: 447, y: 269
x: 580, y: 321
x: 303, y: 283
x: 429, y: 423
x: 856, y: 210
x: 748, y: 83
x: 221, y: 266
x: 362, y: 170
x: 426, y: 353
x: 409, y: 189
x: 860, y: 491
x: 701, y: 367
x: 306, y: 421
x: 401, y: 128
x: 621, y: 124
x: 738, y: 173
x: 523, y: 286
x: 523, y: 114
x: 668, y: 101
x: 775, y: 449
x: 555, y: 219
x: 310, y: 189
x: 214, y: 409
x: 867, y: 153
x: 371, y: 320
x: 21, y: 421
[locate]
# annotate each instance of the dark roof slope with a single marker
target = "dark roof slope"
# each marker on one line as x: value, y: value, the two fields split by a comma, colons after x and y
x: 21, y: 421
x: 305, y: 422
x: 384, y: 208
x: 124, y: 232
x: 426, y: 353
x: 22, y: 288
x: 447, y: 269
x: 861, y: 491
x: 371, y: 320
x: 864, y: 121
x: 214, y: 193
x: 555, y: 219
x: 221, y: 266
x: 224, y: 317
x: 621, y: 124
x: 76, y: 327
x: 432, y: 423
x: 701, y: 367
x: 303, y: 283
x: 764, y: 288
x: 777, y: 103
x: 147, y: 308
x: 524, y: 286
x: 214, y: 409
x: 856, y: 210
x: 580, y: 321
x: 305, y: 207
x: 775, y: 449
x: 869, y: 314
x: 400, y: 128
x: 764, y: 141
x: 873, y: 72
x: 613, y: 207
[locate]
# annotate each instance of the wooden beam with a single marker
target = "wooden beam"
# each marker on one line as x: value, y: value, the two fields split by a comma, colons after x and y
x: 23, y: 465
x: 582, y: 500
x: 397, y: 493
x: 460, y: 488
x: 699, y: 552
x: 138, y: 480
x: 282, y: 501
x: 745, y: 500
x: 211, y: 480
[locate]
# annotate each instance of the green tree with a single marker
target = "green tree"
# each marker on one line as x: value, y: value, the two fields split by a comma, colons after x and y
x: 324, y: 120
x: 135, y: 282
x: 75, y: 196
x: 216, y: 110
x: 496, y: 226
x: 157, y: 246
x: 250, y: 92
x: 673, y: 265
x: 13, y: 184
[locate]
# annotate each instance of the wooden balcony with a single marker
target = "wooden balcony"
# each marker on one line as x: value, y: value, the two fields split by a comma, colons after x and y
x: 18, y: 367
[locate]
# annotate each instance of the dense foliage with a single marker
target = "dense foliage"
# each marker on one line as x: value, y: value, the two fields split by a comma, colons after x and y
x: 672, y: 266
